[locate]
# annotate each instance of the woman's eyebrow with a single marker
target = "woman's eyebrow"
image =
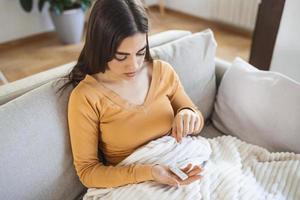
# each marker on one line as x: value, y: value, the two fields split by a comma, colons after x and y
x: 124, y: 53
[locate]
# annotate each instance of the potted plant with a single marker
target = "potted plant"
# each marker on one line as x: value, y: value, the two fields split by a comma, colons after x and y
x: 67, y: 16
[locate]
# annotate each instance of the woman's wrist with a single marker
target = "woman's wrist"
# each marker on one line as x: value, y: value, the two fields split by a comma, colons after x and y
x: 152, y: 169
x: 186, y: 107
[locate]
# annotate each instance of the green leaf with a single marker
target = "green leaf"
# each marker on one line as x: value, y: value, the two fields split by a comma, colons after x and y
x: 60, y: 7
x: 56, y: 8
x: 26, y: 5
x: 83, y: 6
x: 88, y: 3
x: 67, y: 3
x: 41, y: 4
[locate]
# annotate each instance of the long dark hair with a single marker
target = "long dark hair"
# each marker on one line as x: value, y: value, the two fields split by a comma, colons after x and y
x: 109, y: 23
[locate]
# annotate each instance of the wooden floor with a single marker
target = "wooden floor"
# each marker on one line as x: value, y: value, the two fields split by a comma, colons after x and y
x: 28, y: 56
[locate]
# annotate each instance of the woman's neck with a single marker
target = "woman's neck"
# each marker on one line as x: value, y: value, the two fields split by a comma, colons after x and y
x: 111, y: 78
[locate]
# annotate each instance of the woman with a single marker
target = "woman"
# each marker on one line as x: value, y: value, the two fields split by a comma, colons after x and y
x: 123, y: 99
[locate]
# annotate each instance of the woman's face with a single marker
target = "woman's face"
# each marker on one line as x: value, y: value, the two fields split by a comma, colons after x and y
x: 129, y: 58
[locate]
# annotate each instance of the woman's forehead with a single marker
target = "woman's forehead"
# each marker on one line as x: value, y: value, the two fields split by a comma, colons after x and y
x: 133, y: 43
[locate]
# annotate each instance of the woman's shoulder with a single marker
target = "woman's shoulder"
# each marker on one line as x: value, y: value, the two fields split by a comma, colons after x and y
x: 164, y: 65
x: 166, y: 69
x: 160, y: 62
x: 87, y: 89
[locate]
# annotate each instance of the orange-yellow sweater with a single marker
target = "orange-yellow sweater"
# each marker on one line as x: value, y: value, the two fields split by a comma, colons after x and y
x: 100, y: 118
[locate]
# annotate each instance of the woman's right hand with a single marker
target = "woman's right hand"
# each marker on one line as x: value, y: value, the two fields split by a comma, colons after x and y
x: 162, y: 174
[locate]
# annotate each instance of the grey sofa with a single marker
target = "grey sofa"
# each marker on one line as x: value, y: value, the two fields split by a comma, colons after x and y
x: 35, y: 153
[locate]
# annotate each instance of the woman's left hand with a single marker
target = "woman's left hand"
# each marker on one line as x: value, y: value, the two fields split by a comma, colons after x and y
x: 185, y: 122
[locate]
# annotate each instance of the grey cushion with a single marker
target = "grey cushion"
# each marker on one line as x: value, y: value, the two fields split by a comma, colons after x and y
x: 35, y: 152
x: 166, y: 36
x: 193, y: 59
x: 260, y: 107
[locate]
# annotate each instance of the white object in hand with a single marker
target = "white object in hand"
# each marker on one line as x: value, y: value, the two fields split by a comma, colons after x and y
x: 178, y: 172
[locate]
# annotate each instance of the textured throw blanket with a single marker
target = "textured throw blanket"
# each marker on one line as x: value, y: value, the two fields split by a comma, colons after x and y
x: 234, y: 170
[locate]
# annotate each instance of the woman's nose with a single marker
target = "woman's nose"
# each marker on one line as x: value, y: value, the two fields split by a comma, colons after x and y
x: 133, y: 64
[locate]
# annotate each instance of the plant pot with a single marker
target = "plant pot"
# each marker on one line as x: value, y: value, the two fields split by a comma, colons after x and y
x: 69, y: 25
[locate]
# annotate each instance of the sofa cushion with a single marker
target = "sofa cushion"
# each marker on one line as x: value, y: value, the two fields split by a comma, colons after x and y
x: 166, y: 36
x: 35, y: 152
x: 193, y: 59
x: 260, y: 107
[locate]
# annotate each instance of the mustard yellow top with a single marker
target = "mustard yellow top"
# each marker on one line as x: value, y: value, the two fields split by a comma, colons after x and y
x: 100, y: 118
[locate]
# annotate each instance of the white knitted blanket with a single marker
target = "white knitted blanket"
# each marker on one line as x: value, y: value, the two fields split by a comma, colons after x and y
x: 234, y: 170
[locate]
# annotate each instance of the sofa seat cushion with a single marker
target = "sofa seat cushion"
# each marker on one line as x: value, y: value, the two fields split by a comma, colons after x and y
x: 210, y: 131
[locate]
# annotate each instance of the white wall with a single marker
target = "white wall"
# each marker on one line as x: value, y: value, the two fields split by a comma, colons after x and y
x: 198, y: 8
x: 286, y: 55
x: 239, y: 13
x: 151, y: 2
x: 16, y: 23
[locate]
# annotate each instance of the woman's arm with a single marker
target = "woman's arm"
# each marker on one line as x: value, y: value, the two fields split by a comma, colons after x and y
x: 83, y: 119
x: 178, y: 97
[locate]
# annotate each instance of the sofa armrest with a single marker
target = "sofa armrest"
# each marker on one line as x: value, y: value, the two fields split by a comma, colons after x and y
x: 14, y: 89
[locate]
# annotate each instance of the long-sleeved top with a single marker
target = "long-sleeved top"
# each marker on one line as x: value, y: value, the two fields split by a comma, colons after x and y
x: 101, y: 120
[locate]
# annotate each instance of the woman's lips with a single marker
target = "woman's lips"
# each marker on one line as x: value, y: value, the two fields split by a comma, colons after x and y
x: 130, y: 74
